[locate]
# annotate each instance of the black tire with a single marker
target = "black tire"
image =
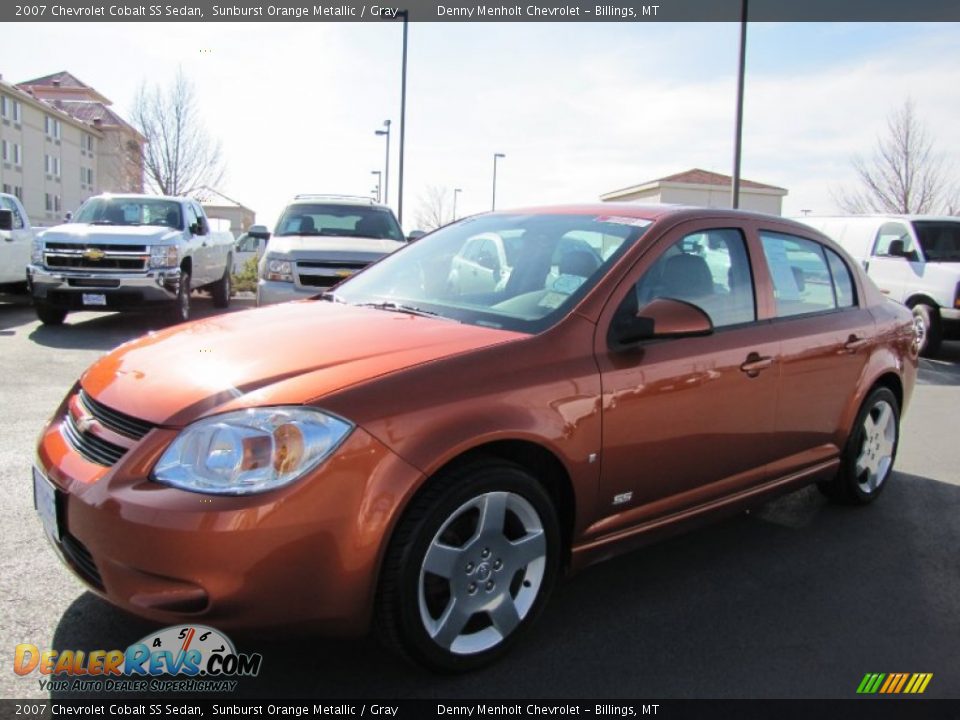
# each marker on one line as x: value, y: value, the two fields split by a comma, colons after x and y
x: 50, y: 314
x: 929, y: 318
x: 488, y: 567
x: 871, y: 449
x: 221, y: 289
x: 181, y: 308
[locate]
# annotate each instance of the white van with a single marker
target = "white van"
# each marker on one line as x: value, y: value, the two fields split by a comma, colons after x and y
x: 914, y: 259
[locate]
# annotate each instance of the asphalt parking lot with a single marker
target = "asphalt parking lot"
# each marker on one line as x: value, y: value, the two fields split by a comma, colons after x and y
x: 799, y: 599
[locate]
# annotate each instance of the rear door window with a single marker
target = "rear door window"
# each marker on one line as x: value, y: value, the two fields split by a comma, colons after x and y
x: 802, y: 280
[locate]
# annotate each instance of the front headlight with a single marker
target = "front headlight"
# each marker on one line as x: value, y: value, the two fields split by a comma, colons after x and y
x: 164, y: 256
x: 250, y: 451
x: 281, y: 270
x: 36, y: 251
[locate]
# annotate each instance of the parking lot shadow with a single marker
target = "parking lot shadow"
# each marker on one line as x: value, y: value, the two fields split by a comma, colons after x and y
x: 943, y: 369
x: 15, y: 311
x: 105, y: 331
x: 796, y: 600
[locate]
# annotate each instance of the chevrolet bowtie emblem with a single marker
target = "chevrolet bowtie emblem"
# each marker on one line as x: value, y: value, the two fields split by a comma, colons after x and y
x: 344, y: 273
x: 94, y: 254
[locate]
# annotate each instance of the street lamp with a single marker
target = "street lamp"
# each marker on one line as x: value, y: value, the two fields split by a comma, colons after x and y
x: 379, y: 175
x: 493, y: 202
x: 738, y: 133
x: 386, y: 164
x: 375, y: 192
x: 455, y: 192
x: 403, y: 112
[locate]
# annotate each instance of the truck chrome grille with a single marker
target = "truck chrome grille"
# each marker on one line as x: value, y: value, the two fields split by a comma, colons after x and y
x: 123, y: 258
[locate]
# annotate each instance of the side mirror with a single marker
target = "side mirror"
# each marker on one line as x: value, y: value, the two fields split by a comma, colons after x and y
x: 6, y: 219
x: 415, y: 235
x: 259, y: 231
x: 659, y: 319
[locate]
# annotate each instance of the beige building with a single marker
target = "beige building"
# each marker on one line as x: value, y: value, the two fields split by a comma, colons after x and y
x: 218, y: 206
x: 704, y: 189
x: 61, y: 144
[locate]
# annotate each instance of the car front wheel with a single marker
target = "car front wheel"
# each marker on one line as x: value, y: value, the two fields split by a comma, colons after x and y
x: 181, y: 311
x: 470, y: 566
x: 867, y: 461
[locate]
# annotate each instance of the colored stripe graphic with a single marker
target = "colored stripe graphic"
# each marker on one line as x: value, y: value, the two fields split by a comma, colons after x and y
x: 894, y: 683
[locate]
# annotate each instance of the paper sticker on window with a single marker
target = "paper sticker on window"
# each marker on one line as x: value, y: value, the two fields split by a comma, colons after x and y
x: 567, y: 284
x: 623, y: 220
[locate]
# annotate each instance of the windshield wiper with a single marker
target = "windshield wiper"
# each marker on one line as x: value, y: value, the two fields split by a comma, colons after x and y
x: 392, y: 306
x: 102, y: 222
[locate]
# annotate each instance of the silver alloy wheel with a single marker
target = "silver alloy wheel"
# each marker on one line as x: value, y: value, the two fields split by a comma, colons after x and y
x: 183, y: 299
x: 876, y: 454
x: 921, y: 326
x: 482, y: 572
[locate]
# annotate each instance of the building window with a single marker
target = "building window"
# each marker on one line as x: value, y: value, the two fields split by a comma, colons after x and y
x: 17, y: 157
x: 7, y: 189
x: 88, y: 143
x: 18, y: 191
x: 16, y: 111
x: 52, y: 202
x: 52, y: 127
x: 4, y: 106
x: 52, y: 165
x: 86, y: 176
x: 7, y: 151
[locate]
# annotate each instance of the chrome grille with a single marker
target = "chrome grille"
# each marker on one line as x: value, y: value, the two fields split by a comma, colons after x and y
x: 96, y: 450
x: 114, y: 420
x: 123, y: 258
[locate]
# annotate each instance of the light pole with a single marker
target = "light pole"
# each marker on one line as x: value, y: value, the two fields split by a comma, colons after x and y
x: 386, y: 163
x: 493, y: 202
x: 375, y: 192
x: 456, y: 191
x: 379, y: 175
x: 738, y: 136
x: 403, y: 113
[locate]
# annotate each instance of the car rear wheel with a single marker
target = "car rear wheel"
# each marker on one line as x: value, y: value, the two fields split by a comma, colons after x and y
x: 867, y: 461
x: 929, y: 328
x: 50, y: 314
x: 221, y: 289
x: 469, y: 568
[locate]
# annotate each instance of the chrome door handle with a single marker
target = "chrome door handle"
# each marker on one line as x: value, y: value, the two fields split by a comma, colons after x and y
x: 854, y: 343
x: 755, y: 363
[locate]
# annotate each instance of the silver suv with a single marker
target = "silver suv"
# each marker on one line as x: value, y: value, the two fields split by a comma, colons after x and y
x: 322, y: 239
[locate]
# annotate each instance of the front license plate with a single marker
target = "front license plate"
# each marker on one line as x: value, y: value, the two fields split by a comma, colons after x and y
x: 94, y: 299
x: 45, y: 501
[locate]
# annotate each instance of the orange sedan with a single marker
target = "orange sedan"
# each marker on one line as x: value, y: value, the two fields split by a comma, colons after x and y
x: 409, y: 454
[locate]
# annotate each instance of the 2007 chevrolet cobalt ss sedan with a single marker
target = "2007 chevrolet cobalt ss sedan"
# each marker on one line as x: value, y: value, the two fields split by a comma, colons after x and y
x: 428, y: 458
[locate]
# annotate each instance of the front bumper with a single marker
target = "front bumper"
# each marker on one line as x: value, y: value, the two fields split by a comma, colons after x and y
x: 273, y: 291
x: 306, y: 555
x: 122, y: 290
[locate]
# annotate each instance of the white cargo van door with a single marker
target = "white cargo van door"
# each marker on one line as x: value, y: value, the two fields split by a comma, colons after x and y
x: 14, y: 246
x: 896, y: 275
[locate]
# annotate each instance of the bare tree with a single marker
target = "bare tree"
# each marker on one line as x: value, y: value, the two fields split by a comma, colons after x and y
x: 904, y: 175
x: 434, y: 210
x: 180, y: 157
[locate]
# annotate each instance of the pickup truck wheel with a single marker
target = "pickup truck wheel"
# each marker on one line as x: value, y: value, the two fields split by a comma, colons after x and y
x: 181, y: 311
x: 50, y: 314
x: 469, y: 567
x: 221, y: 290
x: 929, y: 319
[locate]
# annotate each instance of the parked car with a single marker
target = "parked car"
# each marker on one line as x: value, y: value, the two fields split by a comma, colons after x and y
x: 125, y: 252
x: 386, y: 454
x: 16, y: 235
x: 914, y: 259
x: 322, y: 239
x: 249, y: 245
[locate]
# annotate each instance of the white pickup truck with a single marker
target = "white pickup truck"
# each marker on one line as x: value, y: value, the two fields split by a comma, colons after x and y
x: 123, y: 252
x: 15, y: 238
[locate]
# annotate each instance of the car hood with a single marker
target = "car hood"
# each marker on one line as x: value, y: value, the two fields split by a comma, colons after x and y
x: 307, y: 245
x: 284, y: 354
x: 111, y: 234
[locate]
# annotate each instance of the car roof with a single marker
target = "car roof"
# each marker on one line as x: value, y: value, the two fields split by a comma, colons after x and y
x: 880, y: 217
x: 324, y: 199
x: 649, y: 212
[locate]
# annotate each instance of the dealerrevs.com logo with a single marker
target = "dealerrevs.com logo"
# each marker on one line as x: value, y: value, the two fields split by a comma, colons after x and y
x: 181, y: 658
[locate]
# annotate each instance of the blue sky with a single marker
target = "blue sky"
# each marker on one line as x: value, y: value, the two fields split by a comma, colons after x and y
x: 579, y: 109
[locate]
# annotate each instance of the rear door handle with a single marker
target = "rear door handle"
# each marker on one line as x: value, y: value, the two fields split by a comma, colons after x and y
x: 755, y: 363
x: 854, y: 343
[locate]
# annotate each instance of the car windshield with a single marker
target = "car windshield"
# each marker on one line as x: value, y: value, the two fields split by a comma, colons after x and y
x: 517, y: 272
x: 130, y: 211
x: 334, y: 220
x: 940, y: 240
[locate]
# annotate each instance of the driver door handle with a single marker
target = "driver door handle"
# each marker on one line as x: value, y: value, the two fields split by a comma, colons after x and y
x: 854, y: 343
x: 755, y: 363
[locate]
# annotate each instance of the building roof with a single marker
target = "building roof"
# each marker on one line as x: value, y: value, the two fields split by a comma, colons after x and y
x: 695, y: 176
x: 215, y: 198
x: 63, y: 80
